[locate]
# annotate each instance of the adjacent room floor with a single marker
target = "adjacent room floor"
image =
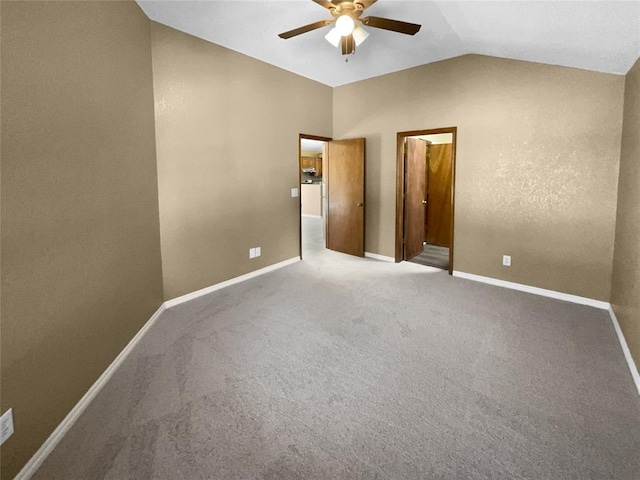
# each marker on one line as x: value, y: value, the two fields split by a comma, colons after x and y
x: 341, y: 367
x: 433, y: 256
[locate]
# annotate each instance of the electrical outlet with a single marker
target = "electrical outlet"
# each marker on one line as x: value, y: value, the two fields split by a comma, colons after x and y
x: 506, y: 260
x: 258, y: 252
x: 294, y: 192
x: 6, y: 425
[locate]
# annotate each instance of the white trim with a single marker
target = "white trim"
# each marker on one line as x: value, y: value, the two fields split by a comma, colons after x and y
x: 311, y: 216
x: 198, y: 293
x: 625, y: 349
x: 535, y: 290
x: 379, y: 257
x: 50, y: 443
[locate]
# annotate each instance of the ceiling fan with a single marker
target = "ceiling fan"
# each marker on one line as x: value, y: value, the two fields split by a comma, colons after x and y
x: 347, y: 33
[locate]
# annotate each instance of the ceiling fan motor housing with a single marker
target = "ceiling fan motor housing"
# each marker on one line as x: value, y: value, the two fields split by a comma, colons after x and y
x: 353, y: 9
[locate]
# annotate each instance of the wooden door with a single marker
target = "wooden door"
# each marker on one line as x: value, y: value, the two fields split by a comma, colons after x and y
x: 415, y: 195
x: 345, y: 196
x: 426, y: 189
x: 439, y: 195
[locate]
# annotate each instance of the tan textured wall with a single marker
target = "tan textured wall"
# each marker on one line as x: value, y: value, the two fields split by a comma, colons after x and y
x: 625, y: 288
x: 81, y: 269
x: 542, y: 190
x: 218, y: 198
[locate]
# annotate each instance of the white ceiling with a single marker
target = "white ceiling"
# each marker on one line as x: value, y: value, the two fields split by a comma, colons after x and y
x: 311, y: 145
x: 594, y: 35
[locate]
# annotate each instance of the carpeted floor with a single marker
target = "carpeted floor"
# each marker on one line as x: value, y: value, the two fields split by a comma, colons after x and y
x: 433, y: 256
x: 339, y: 367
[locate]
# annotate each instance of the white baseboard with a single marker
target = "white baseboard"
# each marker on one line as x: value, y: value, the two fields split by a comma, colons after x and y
x: 535, y: 290
x: 625, y: 349
x: 50, y: 443
x: 218, y: 286
x: 379, y: 257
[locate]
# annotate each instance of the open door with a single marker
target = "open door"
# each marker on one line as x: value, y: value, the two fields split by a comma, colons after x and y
x: 425, y: 193
x: 345, y: 196
x: 439, y: 195
x: 415, y: 196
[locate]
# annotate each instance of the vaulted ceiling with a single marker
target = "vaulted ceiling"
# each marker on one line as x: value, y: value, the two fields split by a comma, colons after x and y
x: 594, y: 35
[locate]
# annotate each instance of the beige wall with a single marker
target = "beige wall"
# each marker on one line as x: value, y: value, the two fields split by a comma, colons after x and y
x: 218, y: 198
x: 311, y: 199
x: 81, y: 269
x: 625, y: 288
x: 542, y: 190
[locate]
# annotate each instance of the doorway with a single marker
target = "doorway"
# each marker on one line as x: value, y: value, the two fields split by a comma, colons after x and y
x: 312, y: 184
x: 425, y: 185
x: 331, y: 194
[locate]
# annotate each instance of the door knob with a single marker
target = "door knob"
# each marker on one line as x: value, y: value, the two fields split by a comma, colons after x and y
x: 359, y: 204
x: 424, y: 202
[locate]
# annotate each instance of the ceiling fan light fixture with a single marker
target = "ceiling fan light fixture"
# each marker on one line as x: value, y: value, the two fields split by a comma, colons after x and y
x: 345, y: 25
x: 333, y: 37
x: 347, y: 32
x: 359, y: 35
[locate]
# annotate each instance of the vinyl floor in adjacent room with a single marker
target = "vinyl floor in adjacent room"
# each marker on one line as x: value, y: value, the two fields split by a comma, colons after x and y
x: 340, y: 367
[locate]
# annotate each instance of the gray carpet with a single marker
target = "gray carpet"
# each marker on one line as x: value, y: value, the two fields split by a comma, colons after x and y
x: 339, y: 367
x: 433, y: 256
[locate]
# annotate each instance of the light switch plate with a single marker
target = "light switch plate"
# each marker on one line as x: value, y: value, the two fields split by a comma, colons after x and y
x: 258, y: 252
x: 506, y: 260
x: 252, y: 253
x: 6, y: 425
x: 294, y: 192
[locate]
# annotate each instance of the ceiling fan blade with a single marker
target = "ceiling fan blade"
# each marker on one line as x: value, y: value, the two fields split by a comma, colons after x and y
x: 366, y: 3
x: 348, y: 45
x: 324, y: 3
x: 305, y: 29
x: 393, y: 25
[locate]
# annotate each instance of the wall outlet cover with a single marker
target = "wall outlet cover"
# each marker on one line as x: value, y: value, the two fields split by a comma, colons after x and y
x: 506, y: 260
x: 6, y: 425
x: 294, y: 192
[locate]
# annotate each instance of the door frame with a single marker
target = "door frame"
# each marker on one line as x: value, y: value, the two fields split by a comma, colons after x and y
x: 299, y: 163
x: 400, y: 179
